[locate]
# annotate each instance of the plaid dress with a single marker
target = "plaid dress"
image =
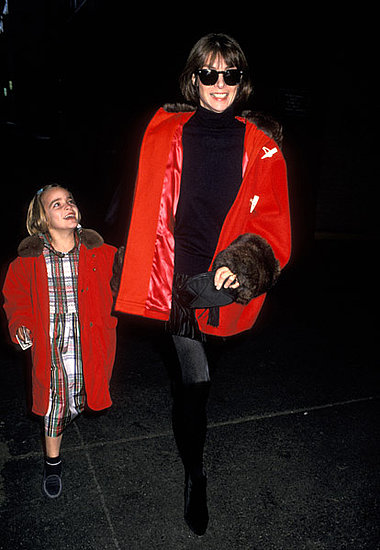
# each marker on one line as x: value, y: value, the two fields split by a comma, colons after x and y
x: 67, y: 395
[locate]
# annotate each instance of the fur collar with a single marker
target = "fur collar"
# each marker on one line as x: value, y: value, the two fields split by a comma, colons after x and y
x: 32, y: 246
x: 178, y: 107
x: 263, y: 121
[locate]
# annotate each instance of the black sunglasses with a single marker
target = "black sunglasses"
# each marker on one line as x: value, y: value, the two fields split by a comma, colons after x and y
x: 209, y: 77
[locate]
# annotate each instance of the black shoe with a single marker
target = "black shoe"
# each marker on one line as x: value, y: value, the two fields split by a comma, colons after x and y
x: 52, y: 486
x: 52, y: 483
x: 196, y: 512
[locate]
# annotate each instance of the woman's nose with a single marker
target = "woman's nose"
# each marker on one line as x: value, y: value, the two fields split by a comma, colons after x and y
x: 220, y: 82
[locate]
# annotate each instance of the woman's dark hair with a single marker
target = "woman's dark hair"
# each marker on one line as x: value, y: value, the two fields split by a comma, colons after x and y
x: 214, y: 45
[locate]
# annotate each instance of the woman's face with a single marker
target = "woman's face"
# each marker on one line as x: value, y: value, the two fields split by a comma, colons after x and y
x: 219, y: 96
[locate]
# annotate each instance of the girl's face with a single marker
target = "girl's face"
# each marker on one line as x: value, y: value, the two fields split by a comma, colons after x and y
x: 60, y: 209
x: 219, y: 96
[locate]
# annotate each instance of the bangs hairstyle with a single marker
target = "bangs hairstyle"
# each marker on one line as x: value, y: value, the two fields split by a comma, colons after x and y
x: 213, y: 46
x: 36, y: 221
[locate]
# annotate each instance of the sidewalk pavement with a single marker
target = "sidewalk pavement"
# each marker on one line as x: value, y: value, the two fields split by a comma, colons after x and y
x: 292, y: 450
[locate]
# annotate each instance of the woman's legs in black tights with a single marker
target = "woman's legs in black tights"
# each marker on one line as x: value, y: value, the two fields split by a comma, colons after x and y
x: 193, y: 363
x: 190, y: 389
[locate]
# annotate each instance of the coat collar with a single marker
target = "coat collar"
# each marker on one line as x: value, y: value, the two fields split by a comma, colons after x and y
x: 264, y: 122
x: 32, y: 247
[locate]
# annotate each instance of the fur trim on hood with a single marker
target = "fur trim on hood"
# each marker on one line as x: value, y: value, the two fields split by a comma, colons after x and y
x: 178, y: 108
x: 267, y: 124
x: 264, y: 122
x: 251, y: 258
x: 32, y: 246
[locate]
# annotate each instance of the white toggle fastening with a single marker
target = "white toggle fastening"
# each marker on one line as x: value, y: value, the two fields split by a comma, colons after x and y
x: 253, y: 202
x: 268, y: 153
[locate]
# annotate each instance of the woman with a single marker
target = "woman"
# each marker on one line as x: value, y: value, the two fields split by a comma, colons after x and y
x: 211, y: 194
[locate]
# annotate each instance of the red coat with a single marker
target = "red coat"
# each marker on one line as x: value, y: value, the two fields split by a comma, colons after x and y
x: 26, y: 303
x: 261, y: 207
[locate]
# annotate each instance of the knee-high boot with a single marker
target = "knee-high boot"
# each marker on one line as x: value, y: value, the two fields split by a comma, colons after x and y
x: 189, y: 427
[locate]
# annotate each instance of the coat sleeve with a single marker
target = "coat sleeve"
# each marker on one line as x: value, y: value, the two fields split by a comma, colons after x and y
x: 117, y: 269
x: 252, y: 259
x: 262, y: 249
x: 17, y: 298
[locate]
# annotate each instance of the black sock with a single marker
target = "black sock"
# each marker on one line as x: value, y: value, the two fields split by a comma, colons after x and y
x: 53, y: 465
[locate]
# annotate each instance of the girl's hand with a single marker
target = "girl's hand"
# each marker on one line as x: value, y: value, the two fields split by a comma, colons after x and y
x: 24, y: 335
x: 225, y: 277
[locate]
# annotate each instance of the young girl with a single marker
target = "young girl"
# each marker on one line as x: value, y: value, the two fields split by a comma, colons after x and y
x: 58, y: 300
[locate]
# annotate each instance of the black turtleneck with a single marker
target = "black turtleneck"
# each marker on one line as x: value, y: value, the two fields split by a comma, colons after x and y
x: 211, y: 177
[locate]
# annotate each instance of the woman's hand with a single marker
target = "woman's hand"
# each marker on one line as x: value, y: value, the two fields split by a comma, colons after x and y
x: 225, y: 277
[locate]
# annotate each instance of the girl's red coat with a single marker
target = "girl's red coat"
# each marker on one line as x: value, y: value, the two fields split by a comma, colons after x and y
x: 261, y: 207
x: 26, y: 303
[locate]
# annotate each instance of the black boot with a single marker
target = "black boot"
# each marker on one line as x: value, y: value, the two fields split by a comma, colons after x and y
x: 196, y: 512
x: 189, y: 427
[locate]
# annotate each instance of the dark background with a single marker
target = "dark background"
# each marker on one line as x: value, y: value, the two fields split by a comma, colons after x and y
x: 80, y: 80
x: 85, y: 79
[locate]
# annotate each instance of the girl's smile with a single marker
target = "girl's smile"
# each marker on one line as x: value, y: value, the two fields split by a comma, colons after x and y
x: 60, y: 209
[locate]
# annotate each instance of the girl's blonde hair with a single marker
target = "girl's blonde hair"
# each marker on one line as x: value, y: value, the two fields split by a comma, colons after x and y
x: 36, y: 221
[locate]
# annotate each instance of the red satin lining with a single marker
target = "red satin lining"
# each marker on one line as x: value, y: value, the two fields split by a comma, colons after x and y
x: 245, y: 162
x: 160, y: 286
